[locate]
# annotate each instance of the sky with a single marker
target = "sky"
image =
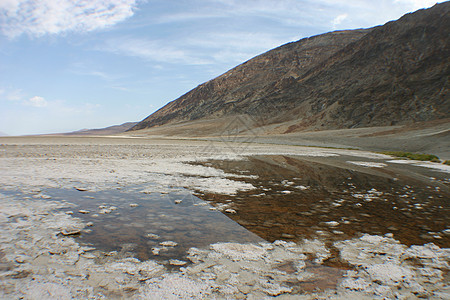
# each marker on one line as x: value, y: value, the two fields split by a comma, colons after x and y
x: 67, y: 65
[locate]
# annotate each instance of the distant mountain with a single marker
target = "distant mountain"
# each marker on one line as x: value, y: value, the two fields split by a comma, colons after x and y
x: 397, y: 73
x: 104, y: 131
x: 3, y: 134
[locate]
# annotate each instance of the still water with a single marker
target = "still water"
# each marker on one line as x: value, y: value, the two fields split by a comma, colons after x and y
x: 333, y: 200
x: 293, y: 199
x: 137, y: 223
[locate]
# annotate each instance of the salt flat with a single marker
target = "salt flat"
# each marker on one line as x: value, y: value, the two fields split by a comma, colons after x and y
x: 43, y: 254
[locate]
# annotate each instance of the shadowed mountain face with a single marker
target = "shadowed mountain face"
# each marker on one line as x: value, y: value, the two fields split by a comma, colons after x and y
x: 392, y: 74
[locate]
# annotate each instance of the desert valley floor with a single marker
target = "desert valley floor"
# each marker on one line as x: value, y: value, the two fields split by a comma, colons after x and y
x: 135, y: 217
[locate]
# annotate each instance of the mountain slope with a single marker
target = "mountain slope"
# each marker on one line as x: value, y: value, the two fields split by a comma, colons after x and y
x: 115, y: 129
x: 392, y: 74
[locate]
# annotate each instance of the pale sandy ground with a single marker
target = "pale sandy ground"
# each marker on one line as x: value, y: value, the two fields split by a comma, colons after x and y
x: 428, y: 137
x: 40, y: 260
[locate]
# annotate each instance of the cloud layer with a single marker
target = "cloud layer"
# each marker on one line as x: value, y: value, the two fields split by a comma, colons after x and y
x: 41, y: 17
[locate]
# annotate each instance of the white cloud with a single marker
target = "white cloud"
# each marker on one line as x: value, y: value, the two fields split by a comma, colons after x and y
x: 234, y: 47
x: 41, y: 17
x: 296, y: 13
x: 339, y: 19
x: 152, y: 51
x: 11, y: 94
x: 37, y: 101
x: 207, y: 32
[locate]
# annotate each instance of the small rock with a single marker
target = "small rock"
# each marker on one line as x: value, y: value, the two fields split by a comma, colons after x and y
x: 134, y: 205
x: 176, y: 262
x: 302, y: 187
x: 87, y: 248
x: 20, y: 259
x: 332, y: 223
x: 287, y: 236
x: 230, y: 211
x: 82, y: 211
x: 156, y: 250
x: 178, y: 201
x: 70, y: 231
x: 153, y: 236
x: 89, y: 224
x: 57, y: 249
x: 286, y: 192
x: 80, y: 189
x: 69, y: 212
x: 169, y: 244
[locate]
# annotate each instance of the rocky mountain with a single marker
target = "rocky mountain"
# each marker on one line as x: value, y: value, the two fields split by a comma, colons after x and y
x: 397, y: 73
x: 104, y: 131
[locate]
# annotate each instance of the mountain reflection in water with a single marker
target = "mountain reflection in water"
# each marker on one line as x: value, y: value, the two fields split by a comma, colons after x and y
x: 297, y: 199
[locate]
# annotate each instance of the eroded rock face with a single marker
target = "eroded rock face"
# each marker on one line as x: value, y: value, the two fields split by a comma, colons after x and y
x: 391, y: 74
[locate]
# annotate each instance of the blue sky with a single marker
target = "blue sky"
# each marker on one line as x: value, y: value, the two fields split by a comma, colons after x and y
x: 72, y: 64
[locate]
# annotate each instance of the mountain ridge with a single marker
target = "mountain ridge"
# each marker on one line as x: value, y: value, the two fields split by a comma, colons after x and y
x: 392, y: 74
x: 114, y: 129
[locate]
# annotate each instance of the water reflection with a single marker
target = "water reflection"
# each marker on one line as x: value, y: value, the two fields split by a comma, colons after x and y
x: 297, y: 199
x: 136, y: 224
